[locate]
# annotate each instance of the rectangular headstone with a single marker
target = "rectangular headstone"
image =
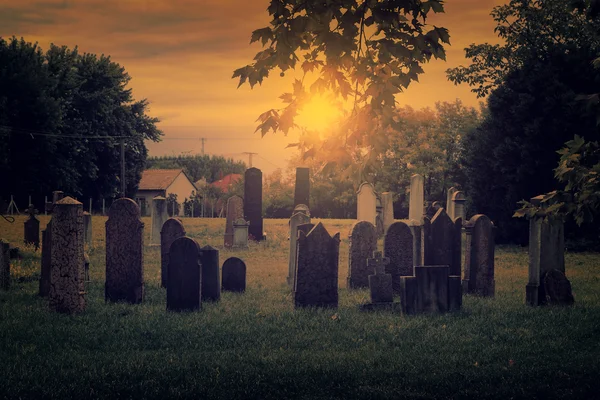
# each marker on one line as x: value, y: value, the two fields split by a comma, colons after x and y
x: 302, y: 188
x: 172, y: 229
x: 454, y: 293
x: 387, y: 203
x: 253, y: 203
x: 408, y: 294
x: 432, y: 288
x: 240, y: 233
x: 159, y: 217
x: 416, y: 201
x: 235, y: 210
x: 366, y: 203
x: 445, y: 242
x: 363, y: 242
x: 479, y: 261
x: 297, y: 219
x: 184, y: 280
x: 398, y: 246
x: 450, y: 203
x: 211, y: 284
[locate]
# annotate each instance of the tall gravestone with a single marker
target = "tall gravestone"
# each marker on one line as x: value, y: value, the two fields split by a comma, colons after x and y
x: 450, y: 203
x: 253, y: 203
x: 317, y: 273
x: 479, y: 257
x: 363, y: 242
x: 445, y: 242
x: 234, y: 275
x: 87, y: 228
x: 159, y: 217
x: 4, y: 265
x: 366, y: 203
x: 235, y: 210
x: 47, y: 247
x: 172, y: 229
x: 401, y: 244
x: 416, y: 200
x: 297, y: 219
x: 211, y: 284
x: 184, y: 280
x: 124, y: 253
x: 458, y: 206
x: 67, y: 275
x: 32, y: 227
x: 302, y: 188
x: 387, y: 203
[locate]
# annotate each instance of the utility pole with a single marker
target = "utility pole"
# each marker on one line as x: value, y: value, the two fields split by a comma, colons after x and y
x: 249, y: 158
x: 202, y: 139
x: 122, y: 167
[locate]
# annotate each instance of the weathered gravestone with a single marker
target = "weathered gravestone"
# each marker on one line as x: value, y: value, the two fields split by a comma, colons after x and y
x: 159, y: 217
x: 124, y: 253
x: 558, y: 288
x: 32, y: 227
x: 211, y: 284
x: 387, y: 203
x: 297, y: 219
x: 240, y: 233
x: 363, y: 242
x: 479, y: 257
x: 379, y: 216
x: 253, y: 203
x: 444, y: 242
x: 366, y: 203
x: 87, y: 228
x: 458, y: 207
x: 234, y: 275
x: 432, y: 288
x: 184, y: 280
x: 4, y: 265
x: 450, y: 203
x: 302, y: 188
x: 47, y: 247
x: 380, y: 283
x: 67, y: 293
x: 317, y: 272
x: 402, y: 245
x: 416, y: 200
x: 301, y: 208
x: 235, y: 210
x: 172, y: 229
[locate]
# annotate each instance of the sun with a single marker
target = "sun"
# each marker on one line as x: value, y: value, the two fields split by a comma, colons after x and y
x: 319, y: 114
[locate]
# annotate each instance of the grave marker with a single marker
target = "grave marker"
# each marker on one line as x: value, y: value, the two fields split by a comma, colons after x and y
x: 159, y: 217
x: 253, y: 203
x: 363, y: 242
x: 479, y: 257
x: 184, y: 275
x: 366, y: 203
x: 416, y: 201
x: 235, y: 210
x: 234, y: 275
x: 302, y: 187
x: 171, y: 230
x: 87, y: 228
x: 387, y: 203
x: 380, y: 284
x: 297, y: 219
x: 32, y: 228
x: 211, y: 284
x: 401, y: 244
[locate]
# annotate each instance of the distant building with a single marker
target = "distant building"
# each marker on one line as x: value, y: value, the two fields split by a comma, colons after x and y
x: 227, y: 182
x: 162, y: 182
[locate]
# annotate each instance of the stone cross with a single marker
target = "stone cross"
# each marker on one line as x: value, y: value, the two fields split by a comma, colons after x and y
x: 32, y: 211
x: 380, y: 284
x: 378, y: 262
x: 32, y: 227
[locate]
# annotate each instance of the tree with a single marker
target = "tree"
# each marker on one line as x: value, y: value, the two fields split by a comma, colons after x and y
x: 58, y: 113
x: 364, y: 52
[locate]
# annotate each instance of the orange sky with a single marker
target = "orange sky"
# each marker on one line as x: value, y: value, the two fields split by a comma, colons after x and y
x: 181, y: 55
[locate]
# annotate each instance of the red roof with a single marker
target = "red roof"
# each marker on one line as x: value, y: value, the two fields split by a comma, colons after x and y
x: 228, y: 180
x: 158, y: 179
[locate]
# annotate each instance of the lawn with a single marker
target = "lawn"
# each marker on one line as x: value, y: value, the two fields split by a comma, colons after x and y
x: 257, y: 346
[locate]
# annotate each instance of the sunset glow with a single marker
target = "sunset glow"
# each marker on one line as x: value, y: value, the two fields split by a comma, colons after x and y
x: 319, y: 114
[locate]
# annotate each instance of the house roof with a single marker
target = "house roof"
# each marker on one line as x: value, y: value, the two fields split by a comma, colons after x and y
x: 158, y: 179
x: 227, y: 181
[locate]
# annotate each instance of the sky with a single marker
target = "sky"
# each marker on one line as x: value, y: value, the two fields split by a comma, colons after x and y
x: 181, y: 55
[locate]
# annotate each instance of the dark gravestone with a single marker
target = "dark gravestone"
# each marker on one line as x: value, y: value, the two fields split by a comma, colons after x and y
x: 300, y: 228
x: 87, y: 228
x: 454, y: 293
x: 297, y: 219
x: 479, y: 260
x: 4, y: 265
x: 32, y: 228
x: 302, y: 188
x: 184, y: 280
x: 234, y: 275
x: 253, y: 203
x: 443, y: 242
x: 426, y: 249
x: 235, y: 210
x: 211, y: 284
x: 408, y: 294
x: 172, y: 229
x: 399, y: 247
x: 317, y: 272
x: 432, y: 288
x: 363, y: 242
x: 67, y: 275
x: 558, y: 288
x: 380, y: 284
x: 46, y: 260
x: 124, y: 253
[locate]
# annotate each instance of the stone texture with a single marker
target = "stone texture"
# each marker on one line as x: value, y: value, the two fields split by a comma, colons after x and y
x: 211, y: 284
x: 454, y: 293
x: 46, y: 260
x: 363, y: 242
x: 124, y: 253
x: 184, y: 279
x: 479, y: 259
x: 302, y: 208
x: 416, y: 201
x: 240, y: 233
x: 67, y: 292
x: 426, y: 249
x: 297, y: 219
x: 87, y: 228
x: 172, y: 229
x: 445, y: 248
x: 302, y: 188
x: 380, y: 283
x: 458, y: 207
x: 235, y: 210
x: 366, y: 203
x: 159, y: 217
x: 400, y: 247
x: 408, y: 294
x: 317, y: 273
x: 234, y: 275
x: 558, y: 288
x: 450, y: 203
x: 4, y: 265
x: 432, y: 288
x: 31, y: 227
x: 253, y: 203
x: 387, y: 204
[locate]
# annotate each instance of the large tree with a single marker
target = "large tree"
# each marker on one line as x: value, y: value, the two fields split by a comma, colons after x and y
x: 62, y: 116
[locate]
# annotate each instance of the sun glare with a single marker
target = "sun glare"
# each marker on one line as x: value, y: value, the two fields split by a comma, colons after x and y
x: 319, y: 114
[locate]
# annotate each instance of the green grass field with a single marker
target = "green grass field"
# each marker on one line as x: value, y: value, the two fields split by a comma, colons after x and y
x: 256, y: 346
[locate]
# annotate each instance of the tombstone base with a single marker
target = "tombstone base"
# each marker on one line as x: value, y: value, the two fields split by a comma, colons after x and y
x: 393, y: 307
x: 432, y: 288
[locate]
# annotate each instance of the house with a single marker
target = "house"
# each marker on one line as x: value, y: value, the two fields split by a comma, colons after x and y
x: 227, y: 182
x: 162, y: 182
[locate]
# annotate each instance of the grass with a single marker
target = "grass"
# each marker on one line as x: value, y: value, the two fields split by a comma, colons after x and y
x: 256, y: 346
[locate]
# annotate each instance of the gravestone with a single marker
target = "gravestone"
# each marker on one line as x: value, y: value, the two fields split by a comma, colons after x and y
x: 86, y: 267
x: 416, y: 200
x: 235, y: 210
x: 558, y: 288
x: 240, y: 233
x: 4, y: 265
x: 46, y: 265
x: 479, y: 257
x: 366, y: 203
x: 426, y: 253
x: 297, y: 219
x: 211, y: 284
x: 444, y: 242
x: 454, y: 293
x: 302, y: 188
x: 32, y: 227
x: 234, y: 275
x: 317, y: 272
x: 408, y: 295
x: 184, y: 275
x: 387, y: 203
x: 87, y: 228
x: 302, y: 208
x: 56, y: 196
x: 159, y: 217
x: 124, y: 253
x: 432, y: 288
x: 67, y: 291
x: 172, y: 229
x: 458, y: 207
x: 363, y: 242
x: 380, y: 283
x: 401, y: 244
x: 253, y: 203
x: 450, y: 203
x: 378, y: 216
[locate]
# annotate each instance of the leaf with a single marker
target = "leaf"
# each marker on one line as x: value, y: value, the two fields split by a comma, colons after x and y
x: 292, y: 145
x: 287, y: 97
x: 264, y: 34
